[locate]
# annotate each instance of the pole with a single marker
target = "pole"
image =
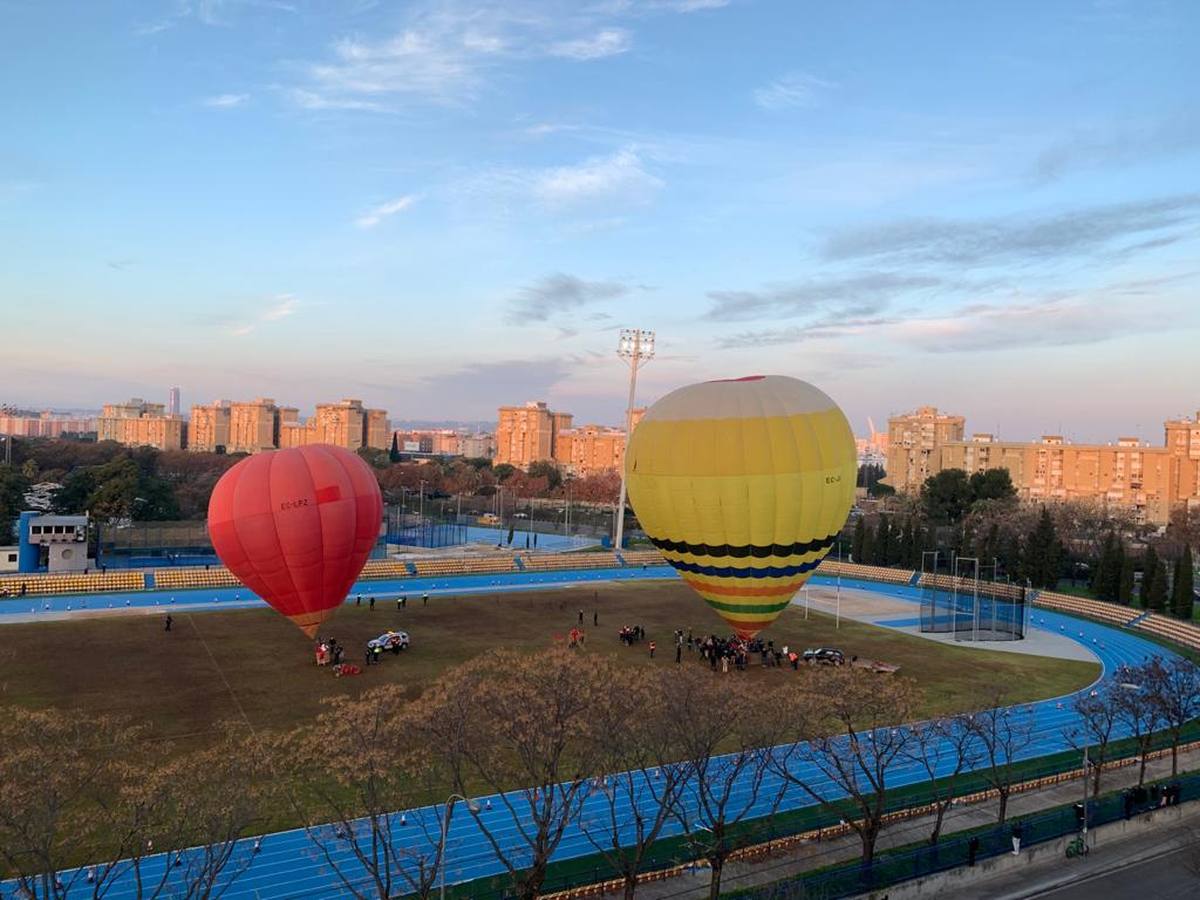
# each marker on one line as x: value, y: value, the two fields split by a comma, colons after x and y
x: 633, y: 370
x: 636, y: 347
x: 837, y: 622
x: 442, y: 845
x: 1085, y: 791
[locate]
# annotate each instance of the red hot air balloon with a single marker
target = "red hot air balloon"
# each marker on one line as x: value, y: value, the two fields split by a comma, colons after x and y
x: 296, y: 527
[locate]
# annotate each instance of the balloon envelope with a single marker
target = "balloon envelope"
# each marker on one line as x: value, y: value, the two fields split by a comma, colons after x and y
x: 743, y: 485
x: 296, y: 526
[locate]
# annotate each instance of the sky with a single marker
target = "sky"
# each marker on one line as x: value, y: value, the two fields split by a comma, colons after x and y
x: 442, y: 206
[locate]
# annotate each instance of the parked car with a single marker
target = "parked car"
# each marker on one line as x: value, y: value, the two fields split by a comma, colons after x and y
x: 390, y: 640
x: 825, y: 656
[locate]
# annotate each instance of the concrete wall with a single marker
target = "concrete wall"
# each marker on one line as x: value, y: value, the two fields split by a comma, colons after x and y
x: 957, y: 882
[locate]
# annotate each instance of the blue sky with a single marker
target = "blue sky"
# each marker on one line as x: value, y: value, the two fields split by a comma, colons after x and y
x: 442, y: 206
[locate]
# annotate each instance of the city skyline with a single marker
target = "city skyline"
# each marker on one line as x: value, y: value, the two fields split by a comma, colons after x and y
x: 446, y: 206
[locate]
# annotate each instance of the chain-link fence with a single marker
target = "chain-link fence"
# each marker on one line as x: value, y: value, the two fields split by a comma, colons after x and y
x: 973, y: 610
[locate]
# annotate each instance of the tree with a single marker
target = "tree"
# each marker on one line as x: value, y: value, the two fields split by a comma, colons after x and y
x: 1012, y: 557
x: 507, y: 718
x: 728, y: 731
x: 946, y: 496
x: 1125, y: 584
x: 1183, y: 596
x: 1155, y: 599
x: 854, y: 714
x: 882, y: 545
x: 1175, y: 687
x: 1149, y: 573
x: 943, y: 749
x: 640, y: 748
x: 394, y: 452
x: 1137, y: 710
x: 13, y: 485
x: 374, y: 457
x: 208, y: 827
x: 504, y: 471
x: 358, y: 765
x: 1097, y: 714
x: 1104, y: 562
x: 1003, y: 733
x: 991, y: 484
x: 859, y: 542
x: 54, y: 767
x: 544, y: 468
x: 1107, y: 581
x: 1043, y: 553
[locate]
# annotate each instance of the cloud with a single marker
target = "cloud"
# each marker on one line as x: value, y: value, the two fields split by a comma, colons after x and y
x: 792, y: 90
x: 1098, y: 148
x: 312, y: 100
x: 609, y: 42
x: 1078, y: 232
x: 850, y: 295
x: 1050, y: 322
x: 556, y: 294
x: 475, y: 391
x: 374, y: 216
x: 284, y: 306
x: 281, y: 307
x: 451, y: 52
x: 226, y: 101
x: 620, y: 176
x: 795, y: 334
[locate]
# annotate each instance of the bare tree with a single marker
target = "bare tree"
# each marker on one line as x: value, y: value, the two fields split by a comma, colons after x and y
x: 507, y: 719
x: 1175, y: 689
x: 1098, y: 713
x: 728, y: 732
x: 1003, y: 733
x: 217, y: 798
x: 54, y: 767
x: 358, y: 765
x: 856, y: 716
x: 640, y: 747
x: 1139, y: 710
x: 943, y: 748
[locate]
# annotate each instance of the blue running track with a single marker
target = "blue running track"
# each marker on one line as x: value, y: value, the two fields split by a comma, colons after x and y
x: 289, y: 866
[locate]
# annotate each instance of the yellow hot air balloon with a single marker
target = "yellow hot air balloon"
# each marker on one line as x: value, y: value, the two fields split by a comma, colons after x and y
x: 743, y: 485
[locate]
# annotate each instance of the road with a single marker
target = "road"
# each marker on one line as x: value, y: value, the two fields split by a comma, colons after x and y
x: 1169, y: 876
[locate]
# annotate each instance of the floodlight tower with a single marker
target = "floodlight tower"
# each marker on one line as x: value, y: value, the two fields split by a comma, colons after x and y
x: 636, y: 347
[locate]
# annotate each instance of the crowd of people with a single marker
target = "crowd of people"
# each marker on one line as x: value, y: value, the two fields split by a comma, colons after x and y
x: 719, y: 653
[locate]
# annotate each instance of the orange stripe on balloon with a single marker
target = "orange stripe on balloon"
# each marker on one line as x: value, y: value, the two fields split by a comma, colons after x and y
x: 722, y: 590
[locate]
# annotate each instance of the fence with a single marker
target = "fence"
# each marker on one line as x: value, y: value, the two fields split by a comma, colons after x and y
x: 972, y: 610
x: 905, y: 864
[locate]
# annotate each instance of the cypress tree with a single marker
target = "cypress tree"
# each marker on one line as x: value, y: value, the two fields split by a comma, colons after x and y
x: 1125, y: 582
x: 868, y: 548
x: 1181, y: 604
x: 1013, y: 563
x: 394, y: 453
x: 1112, y: 581
x: 1100, y: 575
x: 1155, y: 599
x: 883, y: 541
x: 857, y: 544
x: 1149, y: 571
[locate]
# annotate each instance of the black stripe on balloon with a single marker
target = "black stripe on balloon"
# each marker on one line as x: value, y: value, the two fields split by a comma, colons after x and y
x: 731, y: 572
x: 746, y: 550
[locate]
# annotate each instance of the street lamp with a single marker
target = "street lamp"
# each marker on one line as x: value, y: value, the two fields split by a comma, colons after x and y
x: 636, y: 347
x: 474, y: 808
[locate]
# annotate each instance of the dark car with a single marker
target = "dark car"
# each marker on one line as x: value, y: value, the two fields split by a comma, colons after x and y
x: 825, y: 656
